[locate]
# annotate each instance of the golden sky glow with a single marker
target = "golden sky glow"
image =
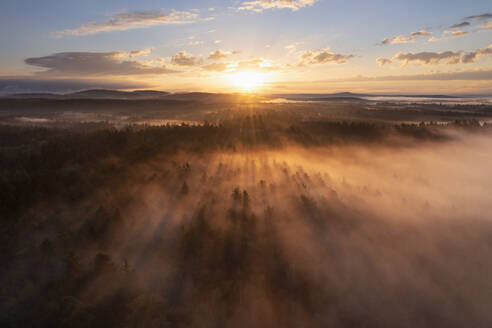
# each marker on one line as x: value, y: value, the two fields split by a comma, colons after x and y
x: 248, y: 46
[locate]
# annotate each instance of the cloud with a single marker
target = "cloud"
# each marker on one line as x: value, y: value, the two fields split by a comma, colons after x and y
x: 406, y: 39
x: 486, y: 25
x: 480, y: 17
x: 196, y: 43
x: 221, y: 54
x: 292, y: 48
x: 217, y: 67
x: 452, y: 33
x: 436, y: 58
x: 420, y: 33
x: 460, y: 25
x: 137, y: 53
x: 127, y: 21
x: 473, y: 56
x: 324, y: 56
x: 261, y: 5
x: 257, y: 64
x: 458, y: 33
x: 397, y: 39
x: 12, y: 85
x: 182, y: 58
x: 455, y: 34
x: 429, y: 58
x: 383, y: 61
x: 95, y: 63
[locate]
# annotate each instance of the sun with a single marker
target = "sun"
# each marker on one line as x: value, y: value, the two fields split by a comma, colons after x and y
x: 248, y: 81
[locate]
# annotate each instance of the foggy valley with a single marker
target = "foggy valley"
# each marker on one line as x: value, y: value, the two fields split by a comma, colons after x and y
x: 338, y: 213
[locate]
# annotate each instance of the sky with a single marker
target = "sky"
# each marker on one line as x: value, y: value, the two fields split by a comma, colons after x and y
x: 263, y: 46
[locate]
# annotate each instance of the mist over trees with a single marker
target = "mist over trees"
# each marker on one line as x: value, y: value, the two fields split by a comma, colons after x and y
x: 253, y: 220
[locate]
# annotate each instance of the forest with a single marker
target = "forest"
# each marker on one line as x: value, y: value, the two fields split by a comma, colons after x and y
x: 255, y: 220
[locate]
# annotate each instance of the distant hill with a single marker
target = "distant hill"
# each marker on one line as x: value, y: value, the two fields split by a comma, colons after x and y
x: 114, y: 94
x: 95, y: 94
x: 135, y: 95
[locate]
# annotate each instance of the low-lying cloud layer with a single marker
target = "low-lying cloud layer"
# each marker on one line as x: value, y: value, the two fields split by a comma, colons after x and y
x: 95, y: 63
x: 468, y: 75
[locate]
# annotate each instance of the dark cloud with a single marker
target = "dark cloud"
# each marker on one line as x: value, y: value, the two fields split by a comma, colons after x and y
x: 480, y: 17
x: 460, y: 25
x: 11, y: 85
x: 94, y: 63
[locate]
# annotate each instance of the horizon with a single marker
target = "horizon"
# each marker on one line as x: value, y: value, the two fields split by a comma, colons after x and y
x: 265, y: 47
x: 368, y: 94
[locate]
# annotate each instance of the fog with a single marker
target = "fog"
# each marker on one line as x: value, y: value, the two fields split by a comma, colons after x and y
x: 351, y: 235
